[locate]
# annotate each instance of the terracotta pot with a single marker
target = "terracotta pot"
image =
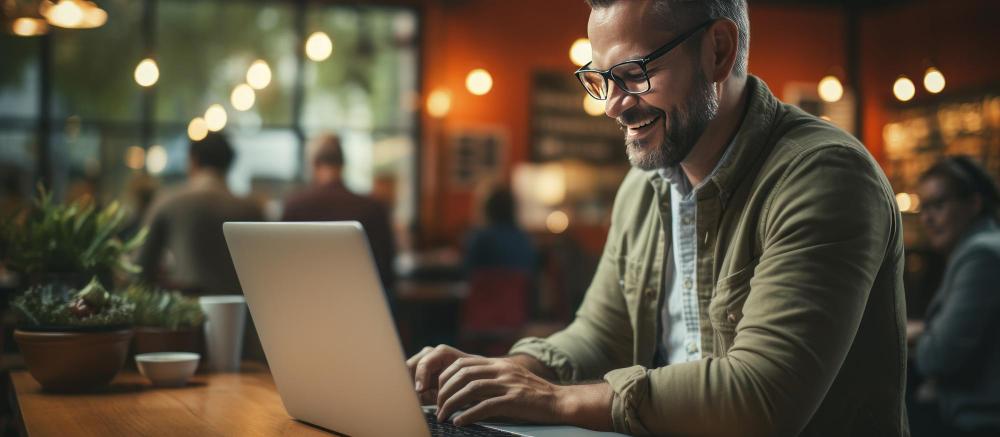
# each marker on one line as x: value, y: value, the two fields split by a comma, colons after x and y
x: 73, y: 361
x: 149, y: 339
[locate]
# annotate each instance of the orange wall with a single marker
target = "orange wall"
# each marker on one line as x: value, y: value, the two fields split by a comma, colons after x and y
x: 961, y: 35
x: 514, y: 38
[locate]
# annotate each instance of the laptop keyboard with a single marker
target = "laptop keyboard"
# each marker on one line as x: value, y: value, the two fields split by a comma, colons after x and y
x: 447, y: 429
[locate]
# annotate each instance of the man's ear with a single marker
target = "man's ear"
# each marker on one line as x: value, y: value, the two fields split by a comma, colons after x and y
x: 723, y: 43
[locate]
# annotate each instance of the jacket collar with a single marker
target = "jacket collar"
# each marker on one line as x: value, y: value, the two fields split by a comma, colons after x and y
x: 750, y: 140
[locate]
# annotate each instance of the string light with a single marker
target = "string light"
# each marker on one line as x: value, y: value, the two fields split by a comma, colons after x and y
x: 580, y: 52
x: 215, y: 118
x: 830, y: 89
x: 439, y: 103
x: 259, y: 74
x: 903, y: 89
x: 479, y: 82
x: 318, y: 46
x: 242, y: 97
x: 197, y: 130
x: 934, y: 80
x: 147, y: 73
x: 156, y: 159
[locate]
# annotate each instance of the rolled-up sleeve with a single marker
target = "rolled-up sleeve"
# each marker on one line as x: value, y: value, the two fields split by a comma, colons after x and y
x: 825, y: 234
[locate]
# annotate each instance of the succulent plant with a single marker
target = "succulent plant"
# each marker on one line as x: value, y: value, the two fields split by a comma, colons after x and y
x: 56, y: 305
x: 164, y: 308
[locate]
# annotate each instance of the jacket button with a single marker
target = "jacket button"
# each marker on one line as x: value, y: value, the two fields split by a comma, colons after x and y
x: 731, y: 317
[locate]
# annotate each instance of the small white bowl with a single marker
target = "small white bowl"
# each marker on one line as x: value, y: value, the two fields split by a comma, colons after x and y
x: 167, y: 369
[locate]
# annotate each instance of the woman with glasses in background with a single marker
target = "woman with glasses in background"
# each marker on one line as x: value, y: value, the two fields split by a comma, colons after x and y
x: 958, y: 344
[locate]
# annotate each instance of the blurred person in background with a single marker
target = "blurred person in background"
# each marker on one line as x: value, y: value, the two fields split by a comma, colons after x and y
x: 501, y: 242
x: 187, y: 224
x: 328, y: 199
x: 500, y: 262
x: 958, y: 344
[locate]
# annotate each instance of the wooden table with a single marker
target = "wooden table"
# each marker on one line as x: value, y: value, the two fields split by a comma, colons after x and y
x: 233, y: 404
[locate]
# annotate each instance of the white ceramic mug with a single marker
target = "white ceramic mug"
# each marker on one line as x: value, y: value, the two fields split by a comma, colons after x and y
x: 225, y: 319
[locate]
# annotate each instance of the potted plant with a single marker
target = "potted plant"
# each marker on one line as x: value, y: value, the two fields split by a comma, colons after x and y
x: 165, y: 321
x: 72, y: 340
x: 67, y: 244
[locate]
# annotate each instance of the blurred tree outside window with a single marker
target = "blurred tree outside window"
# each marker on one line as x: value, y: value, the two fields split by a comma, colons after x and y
x: 103, y: 129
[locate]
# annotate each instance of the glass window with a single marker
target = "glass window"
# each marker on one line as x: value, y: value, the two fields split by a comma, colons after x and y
x: 20, y: 78
x: 366, y: 92
x: 92, y: 69
x: 204, y: 50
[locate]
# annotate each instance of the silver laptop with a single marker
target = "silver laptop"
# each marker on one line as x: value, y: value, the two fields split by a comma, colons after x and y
x: 315, y: 298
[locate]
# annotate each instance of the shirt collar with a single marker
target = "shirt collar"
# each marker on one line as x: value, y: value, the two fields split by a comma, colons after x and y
x: 750, y: 141
x: 678, y: 179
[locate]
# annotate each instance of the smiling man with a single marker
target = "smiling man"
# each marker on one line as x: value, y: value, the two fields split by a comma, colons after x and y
x: 751, y: 282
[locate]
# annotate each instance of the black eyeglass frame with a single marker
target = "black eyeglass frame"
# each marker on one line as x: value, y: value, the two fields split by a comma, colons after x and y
x: 641, y: 62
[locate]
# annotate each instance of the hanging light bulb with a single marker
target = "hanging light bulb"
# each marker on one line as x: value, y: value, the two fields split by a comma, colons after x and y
x: 580, y: 52
x: 242, y: 97
x: 934, y: 80
x: 830, y: 89
x: 318, y: 46
x: 147, y: 73
x: 215, y: 118
x: 903, y: 89
x: 439, y: 103
x: 479, y: 82
x: 259, y: 74
x: 73, y: 14
x: 197, y: 130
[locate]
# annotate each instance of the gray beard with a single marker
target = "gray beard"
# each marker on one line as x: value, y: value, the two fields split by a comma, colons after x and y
x: 685, y: 127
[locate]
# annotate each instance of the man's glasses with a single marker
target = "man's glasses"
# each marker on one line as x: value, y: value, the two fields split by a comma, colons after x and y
x: 630, y: 76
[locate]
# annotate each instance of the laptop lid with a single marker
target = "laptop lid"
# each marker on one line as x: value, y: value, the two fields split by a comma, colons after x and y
x: 316, y: 300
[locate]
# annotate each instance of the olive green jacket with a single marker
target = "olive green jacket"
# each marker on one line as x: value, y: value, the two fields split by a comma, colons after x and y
x: 800, y: 292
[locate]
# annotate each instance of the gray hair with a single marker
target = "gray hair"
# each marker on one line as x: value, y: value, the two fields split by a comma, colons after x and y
x: 678, y: 13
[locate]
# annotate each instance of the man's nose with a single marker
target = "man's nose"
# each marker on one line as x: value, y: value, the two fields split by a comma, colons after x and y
x: 618, y: 101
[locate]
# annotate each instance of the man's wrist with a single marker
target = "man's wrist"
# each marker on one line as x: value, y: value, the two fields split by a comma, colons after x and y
x: 587, y: 406
x: 534, y: 365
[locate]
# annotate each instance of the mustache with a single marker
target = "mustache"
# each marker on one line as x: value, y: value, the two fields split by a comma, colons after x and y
x: 636, y: 114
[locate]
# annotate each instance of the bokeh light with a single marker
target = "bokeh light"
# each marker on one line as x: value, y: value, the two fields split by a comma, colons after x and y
x: 215, y: 118
x: 319, y: 46
x: 580, y: 52
x: 830, y: 89
x: 903, y: 89
x: 147, y: 73
x: 439, y: 103
x: 259, y: 74
x: 242, y: 97
x: 479, y: 82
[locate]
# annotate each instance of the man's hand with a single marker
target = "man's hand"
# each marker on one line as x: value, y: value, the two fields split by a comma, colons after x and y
x: 511, y: 388
x: 495, y: 387
x: 501, y: 388
x: 425, y: 367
